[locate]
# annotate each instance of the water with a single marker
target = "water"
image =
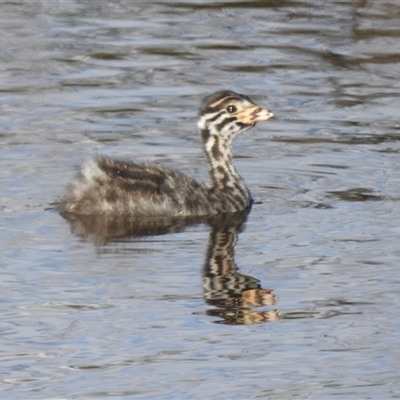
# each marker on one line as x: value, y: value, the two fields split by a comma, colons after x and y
x: 131, y: 318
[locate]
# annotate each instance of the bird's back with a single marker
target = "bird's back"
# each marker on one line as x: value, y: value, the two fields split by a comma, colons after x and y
x: 107, y: 186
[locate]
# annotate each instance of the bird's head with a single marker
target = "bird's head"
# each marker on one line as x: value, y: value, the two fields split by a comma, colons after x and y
x: 226, y: 114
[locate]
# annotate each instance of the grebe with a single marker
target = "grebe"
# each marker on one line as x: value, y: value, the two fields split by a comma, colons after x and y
x: 111, y: 187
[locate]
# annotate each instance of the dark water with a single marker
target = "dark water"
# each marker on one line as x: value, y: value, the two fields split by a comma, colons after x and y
x: 319, y: 254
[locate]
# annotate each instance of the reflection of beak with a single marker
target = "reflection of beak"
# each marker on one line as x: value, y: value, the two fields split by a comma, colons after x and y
x: 254, y: 114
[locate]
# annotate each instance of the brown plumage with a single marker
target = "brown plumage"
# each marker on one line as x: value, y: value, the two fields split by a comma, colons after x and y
x: 110, y: 187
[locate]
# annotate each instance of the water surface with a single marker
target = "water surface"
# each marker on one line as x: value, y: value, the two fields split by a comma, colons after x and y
x: 138, y: 317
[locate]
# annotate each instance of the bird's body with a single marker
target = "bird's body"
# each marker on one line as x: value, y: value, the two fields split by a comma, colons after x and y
x: 112, y: 187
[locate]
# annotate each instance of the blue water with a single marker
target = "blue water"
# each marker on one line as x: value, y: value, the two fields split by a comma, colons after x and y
x: 129, y: 318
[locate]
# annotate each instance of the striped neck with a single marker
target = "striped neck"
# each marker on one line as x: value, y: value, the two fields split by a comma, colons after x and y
x: 223, y: 174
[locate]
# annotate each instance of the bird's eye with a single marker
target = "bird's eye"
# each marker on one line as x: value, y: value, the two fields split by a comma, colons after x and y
x: 231, y: 109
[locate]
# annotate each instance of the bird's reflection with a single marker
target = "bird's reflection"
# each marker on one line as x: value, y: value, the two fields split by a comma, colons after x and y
x: 234, y: 296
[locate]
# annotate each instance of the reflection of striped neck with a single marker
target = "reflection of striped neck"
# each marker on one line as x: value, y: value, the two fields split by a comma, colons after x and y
x: 223, y: 285
x: 217, y: 132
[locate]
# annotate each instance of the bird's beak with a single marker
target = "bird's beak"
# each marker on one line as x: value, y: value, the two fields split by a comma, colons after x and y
x: 254, y: 114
